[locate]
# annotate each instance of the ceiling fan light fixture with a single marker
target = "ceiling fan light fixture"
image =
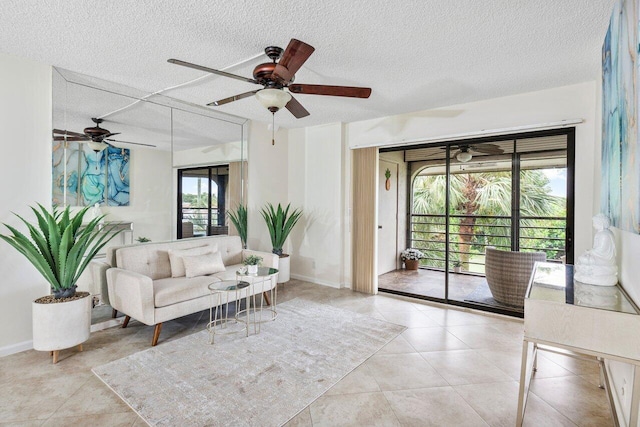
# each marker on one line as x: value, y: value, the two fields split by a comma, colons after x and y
x: 97, y: 146
x: 273, y: 99
x: 464, y: 156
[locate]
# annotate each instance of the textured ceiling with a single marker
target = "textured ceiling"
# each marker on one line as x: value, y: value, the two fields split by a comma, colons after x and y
x: 415, y: 55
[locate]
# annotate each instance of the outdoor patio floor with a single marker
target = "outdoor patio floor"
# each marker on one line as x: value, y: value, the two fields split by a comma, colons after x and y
x: 430, y: 283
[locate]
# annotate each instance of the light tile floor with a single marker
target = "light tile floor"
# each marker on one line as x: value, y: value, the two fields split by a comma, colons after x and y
x: 449, y: 368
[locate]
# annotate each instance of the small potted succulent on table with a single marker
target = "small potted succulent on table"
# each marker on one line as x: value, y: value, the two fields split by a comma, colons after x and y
x: 411, y: 258
x: 252, y: 262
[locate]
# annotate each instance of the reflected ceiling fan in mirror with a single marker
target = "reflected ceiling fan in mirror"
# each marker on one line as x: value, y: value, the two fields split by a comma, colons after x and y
x: 278, y: 75
x: 98, y: 138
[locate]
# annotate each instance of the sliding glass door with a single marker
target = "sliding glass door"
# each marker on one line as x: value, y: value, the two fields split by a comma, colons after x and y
x: 512, y: 193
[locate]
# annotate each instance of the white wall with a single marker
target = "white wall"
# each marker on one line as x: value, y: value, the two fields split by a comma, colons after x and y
x: 25, y: 173
x: 552, y: 105
x: 311, y: 167
x: 315, y: 185
x: 403, y: 172
x: 268, y: 180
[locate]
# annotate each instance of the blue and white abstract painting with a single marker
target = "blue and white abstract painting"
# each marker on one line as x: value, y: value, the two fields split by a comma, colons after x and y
x: 620, y: 199
x: 90, y: 177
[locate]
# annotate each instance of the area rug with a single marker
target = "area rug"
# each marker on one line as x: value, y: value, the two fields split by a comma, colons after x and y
x: 482, y: 295
x: 262, y: 380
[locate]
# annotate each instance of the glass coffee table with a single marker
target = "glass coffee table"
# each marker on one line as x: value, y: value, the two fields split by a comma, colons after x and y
x: 219, y: 322
x: 263, y: 283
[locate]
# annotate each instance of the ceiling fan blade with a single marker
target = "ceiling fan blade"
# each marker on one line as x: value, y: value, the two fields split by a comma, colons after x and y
x: 127, y: 142
x: 487, y: 149
x: 70, y: 138
x: 109, y: 135
x: 232, y: 98
x: 296, y: 108
x: 349, y: 91
x: 211, y: 70
x: 69, y: 133
x: 294, y: 56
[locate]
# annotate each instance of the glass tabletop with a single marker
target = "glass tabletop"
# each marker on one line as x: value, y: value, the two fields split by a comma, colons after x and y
x: 227, y: 285
x: 262, y: 272
x: 554, y: 282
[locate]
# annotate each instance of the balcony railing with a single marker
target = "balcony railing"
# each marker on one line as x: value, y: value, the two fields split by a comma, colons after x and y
x: 199, y: 218
x: 469, y: 235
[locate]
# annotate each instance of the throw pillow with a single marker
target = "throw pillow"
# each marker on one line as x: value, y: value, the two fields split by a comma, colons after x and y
x: 175, y: 257
x: 201, y: 265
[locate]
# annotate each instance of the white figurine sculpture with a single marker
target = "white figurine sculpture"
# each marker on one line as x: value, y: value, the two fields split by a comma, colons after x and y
x: 597, y: 266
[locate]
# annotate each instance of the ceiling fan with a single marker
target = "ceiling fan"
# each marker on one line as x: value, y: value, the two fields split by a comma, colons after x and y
x: 276, y: 76
x: 464, y: 153
x: 98, y: 138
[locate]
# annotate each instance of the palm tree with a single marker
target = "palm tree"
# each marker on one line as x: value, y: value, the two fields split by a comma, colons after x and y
x: 471, y: 196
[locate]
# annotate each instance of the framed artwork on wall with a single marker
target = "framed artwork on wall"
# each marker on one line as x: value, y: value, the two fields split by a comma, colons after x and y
x: 90, y: 177
x: 620, y: 197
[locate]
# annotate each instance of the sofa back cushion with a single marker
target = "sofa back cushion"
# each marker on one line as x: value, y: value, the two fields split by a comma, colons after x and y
x: 152, y: 259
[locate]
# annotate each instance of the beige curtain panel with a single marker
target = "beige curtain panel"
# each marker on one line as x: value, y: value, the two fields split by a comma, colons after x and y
x: 365, y: 220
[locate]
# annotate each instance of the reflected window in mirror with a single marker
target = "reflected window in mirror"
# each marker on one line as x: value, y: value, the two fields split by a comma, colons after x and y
x: 204, y: 197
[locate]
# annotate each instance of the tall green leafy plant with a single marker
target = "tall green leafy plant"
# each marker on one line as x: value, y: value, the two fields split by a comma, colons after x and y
x: 239, y: 220
x: 280, y: 223
x: 60, y: 247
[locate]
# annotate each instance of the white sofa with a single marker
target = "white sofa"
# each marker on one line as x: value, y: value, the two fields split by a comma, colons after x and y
x: 140, y: 282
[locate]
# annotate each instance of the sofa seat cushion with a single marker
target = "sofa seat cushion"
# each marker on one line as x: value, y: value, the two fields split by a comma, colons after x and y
x: 178, y: 289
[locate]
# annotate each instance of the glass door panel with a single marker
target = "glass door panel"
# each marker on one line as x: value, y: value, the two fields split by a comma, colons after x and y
x: 480, y: 204
x: 543, y: 206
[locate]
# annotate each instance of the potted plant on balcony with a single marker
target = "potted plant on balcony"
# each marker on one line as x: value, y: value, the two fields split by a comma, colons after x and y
x: 457, y: 266
x: 239, y: 220
x: 60, y: 248
x: 411, y: 258
x: 252, y: 262
x: 280, y: 222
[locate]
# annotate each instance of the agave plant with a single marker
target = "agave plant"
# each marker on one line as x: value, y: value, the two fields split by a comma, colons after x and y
x: 60, y: 247
x: 239, y: 220
x: 280, y: 223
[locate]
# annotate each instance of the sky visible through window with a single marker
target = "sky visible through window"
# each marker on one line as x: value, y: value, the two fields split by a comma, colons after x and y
x: 557, y: 181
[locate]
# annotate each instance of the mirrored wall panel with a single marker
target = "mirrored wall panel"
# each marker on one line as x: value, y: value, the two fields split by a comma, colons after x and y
x: 120, y: 150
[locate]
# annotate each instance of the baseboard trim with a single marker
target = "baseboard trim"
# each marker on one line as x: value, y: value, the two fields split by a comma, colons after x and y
x: 16, y: 348
x: 316, y: 281
x: 107, y: 324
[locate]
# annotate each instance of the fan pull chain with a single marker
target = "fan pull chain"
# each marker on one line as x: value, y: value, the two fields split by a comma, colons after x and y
x: 273, y: 128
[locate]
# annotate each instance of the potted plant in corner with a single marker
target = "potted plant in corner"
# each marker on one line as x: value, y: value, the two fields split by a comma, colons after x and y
x: 239, y: 220
x: 252, y: 262
x: 280, y: 223
x: 411, y: 258
x: 60, y: 248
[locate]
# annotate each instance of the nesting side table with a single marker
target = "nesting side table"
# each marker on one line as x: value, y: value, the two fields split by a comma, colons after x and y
x: 219, y: 308
x: 264, y: 281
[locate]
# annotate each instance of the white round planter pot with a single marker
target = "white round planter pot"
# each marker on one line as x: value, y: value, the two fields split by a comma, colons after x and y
x: 284, y: 264
x: 61, y: 325
x: 252, y: 269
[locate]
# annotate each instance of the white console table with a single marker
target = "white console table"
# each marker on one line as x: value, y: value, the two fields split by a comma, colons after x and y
x: 124, y: 227
x: 595, y: 321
